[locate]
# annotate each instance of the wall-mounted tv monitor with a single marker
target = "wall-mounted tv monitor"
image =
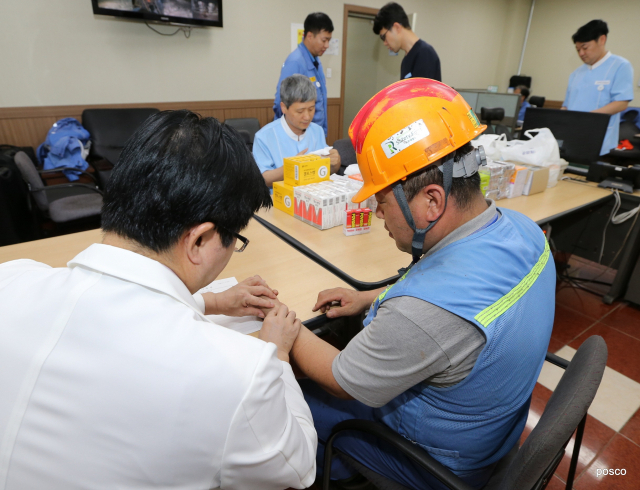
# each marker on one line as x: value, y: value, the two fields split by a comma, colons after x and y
x: 189, y: 12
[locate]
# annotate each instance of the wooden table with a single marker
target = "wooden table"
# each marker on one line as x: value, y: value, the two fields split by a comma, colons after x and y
x: 372, y: 260
x: 297, y: 278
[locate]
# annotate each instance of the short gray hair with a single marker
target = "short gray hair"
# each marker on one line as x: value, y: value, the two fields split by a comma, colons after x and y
x: 297, y: 88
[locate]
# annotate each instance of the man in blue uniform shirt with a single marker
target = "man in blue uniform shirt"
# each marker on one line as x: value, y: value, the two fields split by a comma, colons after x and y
x: 305, y: 60
x: 292, y: 134
x: 603, y: 84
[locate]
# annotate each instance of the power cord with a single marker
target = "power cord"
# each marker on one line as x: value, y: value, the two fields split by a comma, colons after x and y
x: 185, y: 30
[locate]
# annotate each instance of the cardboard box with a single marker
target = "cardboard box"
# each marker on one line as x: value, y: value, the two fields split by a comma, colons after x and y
x: 283, y: 197
x: 306, y: 169
x: 537, y: 180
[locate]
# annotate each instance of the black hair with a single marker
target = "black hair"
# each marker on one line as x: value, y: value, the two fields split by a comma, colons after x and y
x: 524, y: 90
x: 463, y: 190
x: 388, y: 15
x: 591, y: 31
x: 179, y: 170
x: 316, y: 22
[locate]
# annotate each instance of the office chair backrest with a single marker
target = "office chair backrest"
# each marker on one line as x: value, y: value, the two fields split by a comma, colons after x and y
x: 537, y: 101
x: 249, y: 124
x: 111, y: 128
x: 32, y: 177
x: 564, y: 411
x: 491, y: 114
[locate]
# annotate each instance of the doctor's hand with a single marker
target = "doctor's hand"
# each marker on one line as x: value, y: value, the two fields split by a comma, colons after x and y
x: 334, y: 159
x: 302, y: 152
x: 281, y: 327
x: 249, y: 297
x: 339, y: 302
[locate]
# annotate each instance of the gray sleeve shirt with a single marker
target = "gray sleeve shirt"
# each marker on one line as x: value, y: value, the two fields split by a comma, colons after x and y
x: 411, y: 341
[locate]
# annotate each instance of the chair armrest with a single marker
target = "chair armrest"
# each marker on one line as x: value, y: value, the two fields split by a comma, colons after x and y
x: 557, y: 360
x: 60, y: 186
x: 60, y: 169
x: 412, y: 451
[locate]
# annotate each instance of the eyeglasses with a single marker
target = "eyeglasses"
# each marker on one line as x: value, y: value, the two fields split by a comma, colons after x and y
x: 243, y: 240
x: 384, y: 36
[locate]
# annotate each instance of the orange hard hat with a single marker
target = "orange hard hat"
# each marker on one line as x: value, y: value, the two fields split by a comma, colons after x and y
x: 407, y: 126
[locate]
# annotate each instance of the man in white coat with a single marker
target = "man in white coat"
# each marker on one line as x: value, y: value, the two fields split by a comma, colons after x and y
x: 110, y: 374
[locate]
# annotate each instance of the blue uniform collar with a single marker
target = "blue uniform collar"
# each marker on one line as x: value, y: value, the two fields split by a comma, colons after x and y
x: 307, y: 54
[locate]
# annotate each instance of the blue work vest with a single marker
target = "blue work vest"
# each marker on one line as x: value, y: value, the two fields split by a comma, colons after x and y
x: 502, y: 279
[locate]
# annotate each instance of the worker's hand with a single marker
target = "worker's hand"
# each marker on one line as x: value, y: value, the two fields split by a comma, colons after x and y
x: 302, y: 152
x: 341, y: 302
x: 250, y: 297
x: 334, y: 158
x: 281, y: 327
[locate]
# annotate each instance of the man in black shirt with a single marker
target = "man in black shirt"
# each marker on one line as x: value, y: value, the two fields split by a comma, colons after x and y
x: 421, y: 60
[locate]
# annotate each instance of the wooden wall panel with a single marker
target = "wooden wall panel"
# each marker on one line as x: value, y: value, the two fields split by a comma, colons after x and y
x: 553, y: 104
x: 333, y: 121
x: 28, y: 126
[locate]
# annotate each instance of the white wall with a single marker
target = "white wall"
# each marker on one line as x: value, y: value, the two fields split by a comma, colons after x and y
x: 58, y: 52
x: 551, y: 56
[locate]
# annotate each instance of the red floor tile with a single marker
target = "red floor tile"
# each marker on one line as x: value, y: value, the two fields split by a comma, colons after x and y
x: 583, y: 302
x: 621, y: 453
x: 624, y: 351
x: 556, y: 484
x: 596, y: 437
x: 632, y: 428
x: 625, y: 318
x: 555, y: 345
x: 569, y: 324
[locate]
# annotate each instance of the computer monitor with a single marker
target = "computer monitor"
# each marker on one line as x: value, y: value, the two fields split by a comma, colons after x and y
x: 579, y: 134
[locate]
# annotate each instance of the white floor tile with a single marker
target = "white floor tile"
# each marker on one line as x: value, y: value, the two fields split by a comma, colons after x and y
x: 617, y: 399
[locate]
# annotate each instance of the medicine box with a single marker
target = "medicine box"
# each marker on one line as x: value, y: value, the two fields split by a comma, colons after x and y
x: 357, y: 222
x: 306, y: 169
x: 324, y: 204
x: 283, y: 197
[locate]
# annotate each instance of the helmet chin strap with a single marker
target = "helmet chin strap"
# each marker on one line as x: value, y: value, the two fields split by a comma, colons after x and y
x: 417, y: 243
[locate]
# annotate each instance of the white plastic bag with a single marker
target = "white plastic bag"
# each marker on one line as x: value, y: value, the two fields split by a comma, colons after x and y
x: 492, y: 144
x: 541, y: 149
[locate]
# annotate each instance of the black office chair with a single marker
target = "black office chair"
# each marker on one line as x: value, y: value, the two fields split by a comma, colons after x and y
x: 489, y: 115
x: 536, y: 101
x: 249, y: 124
x: 60, y: 210
x: 110, y: 129
x: 529, y: 467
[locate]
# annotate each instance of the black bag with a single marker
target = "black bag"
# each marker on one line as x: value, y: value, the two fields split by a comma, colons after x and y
x: 17, y: 219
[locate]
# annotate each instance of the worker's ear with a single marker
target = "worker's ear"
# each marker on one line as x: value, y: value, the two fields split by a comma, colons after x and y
x: 283, y: 107
x: 429, y: 203
x: 198, y: 239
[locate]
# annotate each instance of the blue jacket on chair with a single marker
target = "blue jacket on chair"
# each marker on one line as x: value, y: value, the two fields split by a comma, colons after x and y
x: 63, y: 147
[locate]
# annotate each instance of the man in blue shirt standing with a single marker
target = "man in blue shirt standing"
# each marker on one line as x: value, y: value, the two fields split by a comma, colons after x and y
x: 603, y: 84
x: 305, y: 60
x: 292, y: 134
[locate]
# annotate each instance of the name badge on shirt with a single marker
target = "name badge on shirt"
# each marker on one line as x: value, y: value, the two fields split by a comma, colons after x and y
x: 602, y: 83
x: 313, y: 79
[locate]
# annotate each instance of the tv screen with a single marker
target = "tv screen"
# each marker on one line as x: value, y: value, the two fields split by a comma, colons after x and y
x: 192, y: 12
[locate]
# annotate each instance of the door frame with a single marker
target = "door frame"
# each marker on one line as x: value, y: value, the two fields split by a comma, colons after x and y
x: 358, y: 9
